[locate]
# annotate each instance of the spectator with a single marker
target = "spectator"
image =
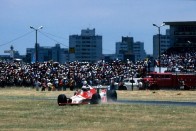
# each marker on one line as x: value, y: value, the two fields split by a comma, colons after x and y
x: 71, y: 84
x: 112, y: 86
x: 37, y: 84
x: 121, y: 86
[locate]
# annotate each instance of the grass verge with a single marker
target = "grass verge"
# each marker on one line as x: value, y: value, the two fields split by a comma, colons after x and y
x: 27, y: 109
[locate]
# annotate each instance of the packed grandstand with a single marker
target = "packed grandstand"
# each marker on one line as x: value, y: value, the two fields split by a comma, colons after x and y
x: 55, y: 76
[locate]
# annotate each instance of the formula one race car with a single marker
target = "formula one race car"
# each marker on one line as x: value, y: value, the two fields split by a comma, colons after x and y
x: 88, y: 96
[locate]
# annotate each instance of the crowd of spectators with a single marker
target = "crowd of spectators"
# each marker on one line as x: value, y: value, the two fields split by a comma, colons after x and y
x: 181, y: 59
x: 54, y: 76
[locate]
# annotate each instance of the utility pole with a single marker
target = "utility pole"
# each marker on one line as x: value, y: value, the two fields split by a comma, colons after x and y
x: 159, y: 44
x: 36, y: 44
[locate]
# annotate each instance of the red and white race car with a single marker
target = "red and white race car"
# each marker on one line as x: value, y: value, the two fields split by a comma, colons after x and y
x: 88, y: 96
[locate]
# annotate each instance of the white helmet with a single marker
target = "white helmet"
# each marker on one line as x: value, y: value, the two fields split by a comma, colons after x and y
x: 84, y: 82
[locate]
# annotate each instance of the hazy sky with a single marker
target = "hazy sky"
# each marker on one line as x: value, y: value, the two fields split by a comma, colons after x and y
x: 111, y: 18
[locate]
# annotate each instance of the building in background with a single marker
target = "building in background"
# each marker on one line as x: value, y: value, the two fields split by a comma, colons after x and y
x: 128, y: 49
x: 124, y: 49
x: 164, y: 43
x: 138, y: 51
x: 182, y: 33
x: 56, y: 54
x: 86, y: 47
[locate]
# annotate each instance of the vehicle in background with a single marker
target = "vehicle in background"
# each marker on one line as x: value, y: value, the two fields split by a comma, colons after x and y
x: 129, y: 84
x: 155, y: 81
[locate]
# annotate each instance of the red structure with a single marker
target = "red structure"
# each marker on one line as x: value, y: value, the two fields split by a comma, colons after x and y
x: 155, y: 81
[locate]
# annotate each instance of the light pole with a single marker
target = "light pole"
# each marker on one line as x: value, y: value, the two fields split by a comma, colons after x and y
x: 36, y: 44
x: 159, y: 44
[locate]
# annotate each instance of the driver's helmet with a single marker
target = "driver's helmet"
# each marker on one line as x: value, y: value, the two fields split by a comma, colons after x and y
x: 84, y: 82
x: 85, y: 86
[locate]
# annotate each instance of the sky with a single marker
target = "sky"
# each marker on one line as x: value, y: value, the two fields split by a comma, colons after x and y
x: 111, y: 19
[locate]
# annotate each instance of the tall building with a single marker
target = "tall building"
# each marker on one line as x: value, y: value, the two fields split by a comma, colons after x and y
x: 183, y: 33
x: 56, y: 54
x: 164, y: 43
x: 138, y: 50
x: 86, y: 47
x: 125, y: 46
x: 128, y: 49
x: 124, y: 49
x: 130, y: 43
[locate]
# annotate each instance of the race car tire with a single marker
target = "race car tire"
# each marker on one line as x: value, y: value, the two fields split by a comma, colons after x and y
x: 111, y: 95
x: 62, y: 99
x: 96, y: 99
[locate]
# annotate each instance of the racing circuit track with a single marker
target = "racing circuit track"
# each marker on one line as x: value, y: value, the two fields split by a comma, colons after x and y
x: 164, y: 103
x: 173, y: 103
x: 167, y: 103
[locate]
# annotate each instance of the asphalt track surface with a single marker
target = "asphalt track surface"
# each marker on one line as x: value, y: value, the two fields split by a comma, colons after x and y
x: 167, y: 103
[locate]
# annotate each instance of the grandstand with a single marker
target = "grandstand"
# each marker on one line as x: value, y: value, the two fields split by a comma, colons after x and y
x: 182, y: 53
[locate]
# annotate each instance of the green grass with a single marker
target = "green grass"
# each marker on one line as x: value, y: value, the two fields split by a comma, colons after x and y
x: 26, y: 111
